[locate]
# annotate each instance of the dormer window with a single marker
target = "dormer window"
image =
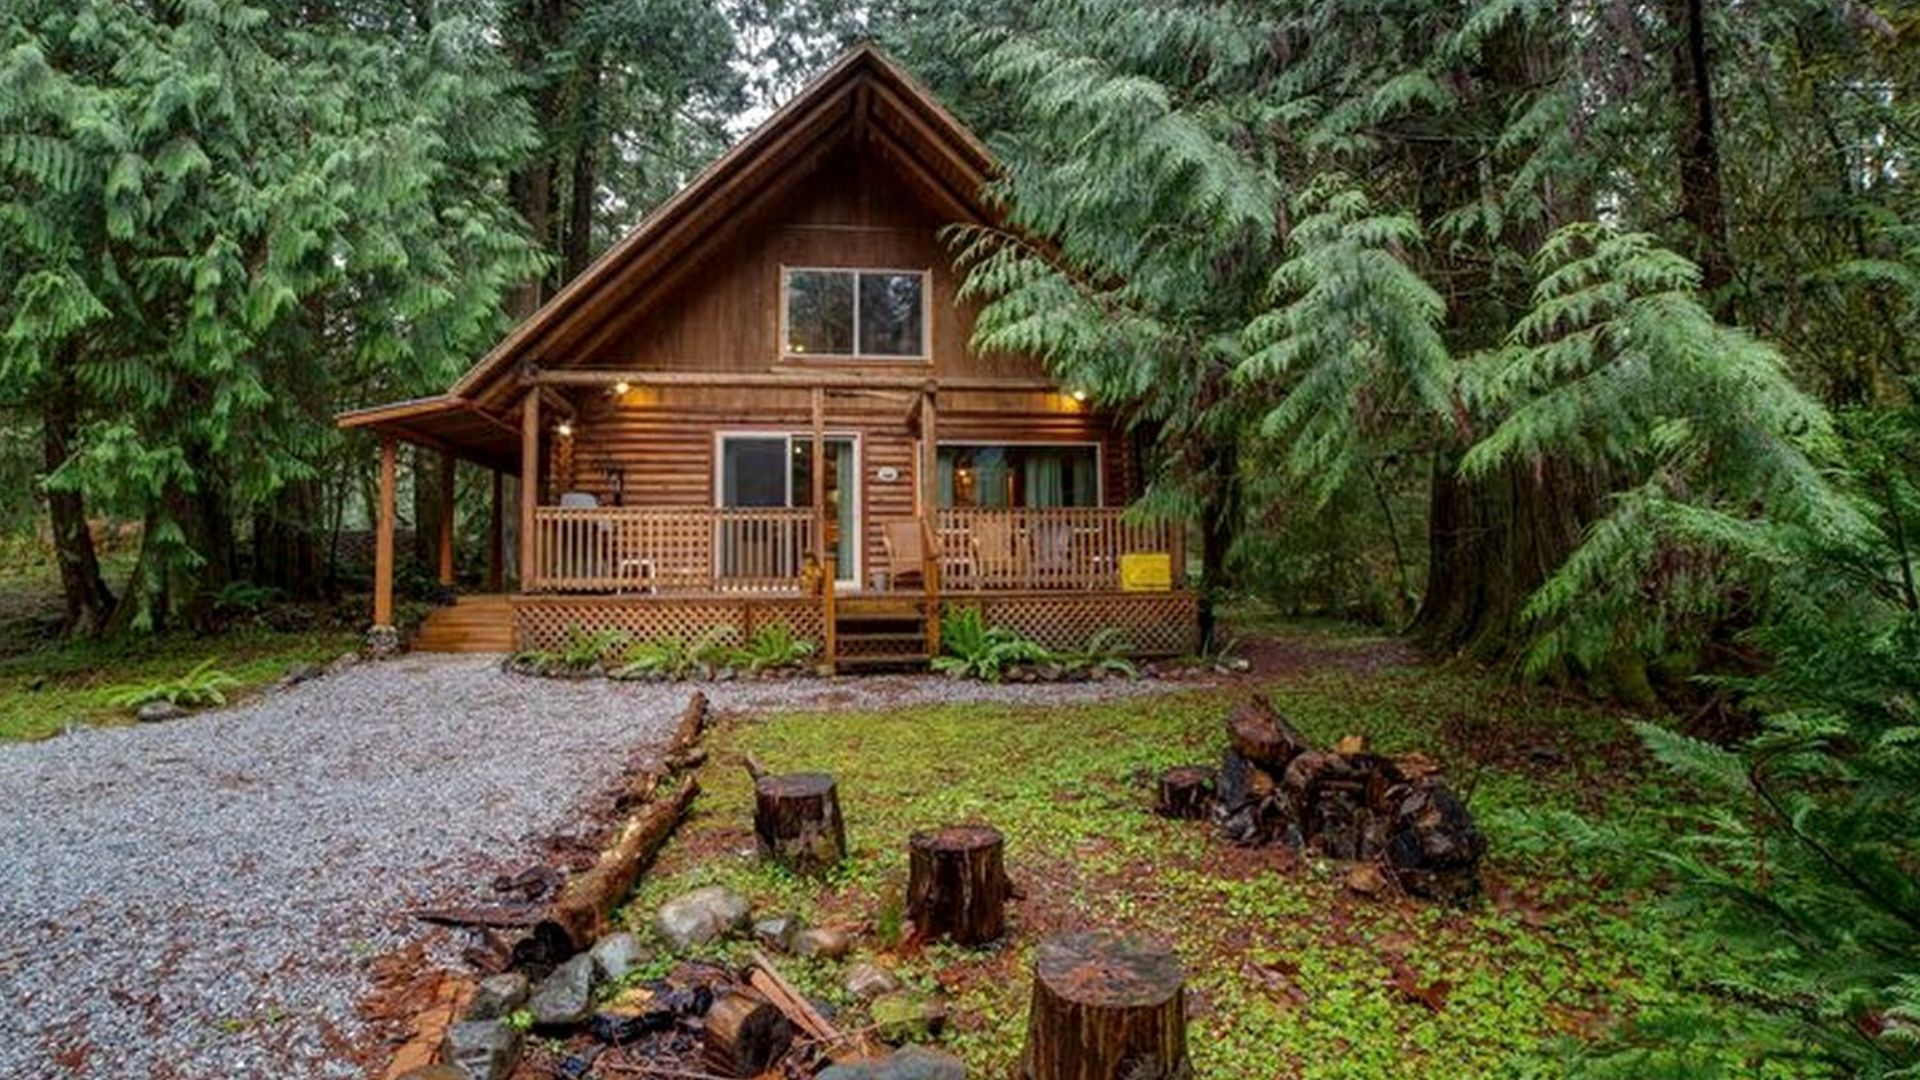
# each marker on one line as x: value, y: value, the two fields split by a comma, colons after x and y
x: 856, y: 314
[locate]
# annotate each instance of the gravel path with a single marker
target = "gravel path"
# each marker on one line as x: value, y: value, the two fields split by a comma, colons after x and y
x: 200, y: 898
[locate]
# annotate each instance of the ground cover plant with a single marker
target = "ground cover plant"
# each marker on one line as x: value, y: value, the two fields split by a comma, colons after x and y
x: 1291, y: 973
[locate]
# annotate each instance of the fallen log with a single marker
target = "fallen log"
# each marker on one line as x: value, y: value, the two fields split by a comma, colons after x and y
x: 578, y: 915
x: 486, y: 915
x: 1261, y: 735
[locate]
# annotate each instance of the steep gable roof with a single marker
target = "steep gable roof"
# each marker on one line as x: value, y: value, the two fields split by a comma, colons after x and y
x: 865, y: 96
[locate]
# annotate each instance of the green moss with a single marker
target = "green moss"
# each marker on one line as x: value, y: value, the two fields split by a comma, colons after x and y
x: 1290, y: 974
x: 45, y: 690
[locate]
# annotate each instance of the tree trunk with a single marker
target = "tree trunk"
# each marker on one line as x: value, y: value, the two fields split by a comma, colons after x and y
x: 287, y: 551
x: 583, y: 185
x: 1697, y: 146
x: 1219, y: 522
x: 796, y: 819
x: 1106, y: 1006
x: 88, y: 601
x: 536, y: 35
x: 957, y: 884
x: 426, y: 510
x: 1185, y: 793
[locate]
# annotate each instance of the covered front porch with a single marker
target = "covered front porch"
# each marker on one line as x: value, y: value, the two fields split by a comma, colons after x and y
x: 643, y: 507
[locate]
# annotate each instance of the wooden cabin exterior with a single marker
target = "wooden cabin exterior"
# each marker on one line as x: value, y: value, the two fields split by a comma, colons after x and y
x: 795, y: 304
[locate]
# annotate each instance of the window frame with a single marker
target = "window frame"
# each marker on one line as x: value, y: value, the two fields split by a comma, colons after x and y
x: 793, y: 437
x: 924, y: 356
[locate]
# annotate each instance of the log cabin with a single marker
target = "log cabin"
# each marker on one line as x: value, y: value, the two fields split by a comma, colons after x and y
x: 762, y: 405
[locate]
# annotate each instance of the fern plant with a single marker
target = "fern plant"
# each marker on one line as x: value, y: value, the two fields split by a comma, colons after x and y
x: 204, y: 685
x: 774, y: 647
x: 578, y: 654
x: 1103, y: 653
x: 973, y: 650
x: 678, y: 657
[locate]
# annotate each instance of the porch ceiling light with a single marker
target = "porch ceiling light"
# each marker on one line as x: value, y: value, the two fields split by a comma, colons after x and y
x: 620, y: 388
x: 1077, y: 394
x: 565, y: 429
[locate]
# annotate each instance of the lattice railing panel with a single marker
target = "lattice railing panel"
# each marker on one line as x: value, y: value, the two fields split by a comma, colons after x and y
x: 543, y: 623
x: 1154, y: 624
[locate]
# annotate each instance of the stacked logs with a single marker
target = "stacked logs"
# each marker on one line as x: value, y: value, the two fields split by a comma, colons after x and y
x: 1349, y: 803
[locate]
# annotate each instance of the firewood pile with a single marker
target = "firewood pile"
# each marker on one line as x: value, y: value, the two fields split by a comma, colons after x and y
x: 1346, y: 802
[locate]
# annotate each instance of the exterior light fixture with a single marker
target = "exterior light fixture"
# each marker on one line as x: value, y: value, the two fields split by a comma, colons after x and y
x: 1077, y: 394
x: 565, y: 429
x: 620, y: 388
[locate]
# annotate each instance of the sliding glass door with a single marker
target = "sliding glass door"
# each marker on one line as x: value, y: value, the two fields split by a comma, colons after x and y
x: 776, y: 471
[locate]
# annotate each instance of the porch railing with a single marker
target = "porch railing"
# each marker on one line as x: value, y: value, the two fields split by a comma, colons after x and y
x: 1008, y: 549
x: 670, y: 549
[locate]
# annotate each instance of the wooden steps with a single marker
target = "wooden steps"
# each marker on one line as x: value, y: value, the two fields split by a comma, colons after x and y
x: 880, y: 632
x: 472, y: 624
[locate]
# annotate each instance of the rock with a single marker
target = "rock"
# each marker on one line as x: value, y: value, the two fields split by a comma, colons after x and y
x: 435, y: 1072
x: 823, y: 942
x: 154, y: 712
x: 483, y: 1049
x: 906, y: 1063
x: 497, y: 996
x: 701, y: 916
x: 617, y: 954
x: 870, y: 980
x: 907, y: 1015
x: 343, y: 662
x: 564, y: 998
x: 300, y: 673
x: 777, y: 932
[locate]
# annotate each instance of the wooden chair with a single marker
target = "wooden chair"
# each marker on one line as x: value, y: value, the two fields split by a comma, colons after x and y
x: 906, y: 554
x: 996, y: 549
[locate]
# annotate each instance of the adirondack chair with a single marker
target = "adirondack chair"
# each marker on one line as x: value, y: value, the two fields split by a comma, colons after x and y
x: 906, y: 554
x: 997, y: 551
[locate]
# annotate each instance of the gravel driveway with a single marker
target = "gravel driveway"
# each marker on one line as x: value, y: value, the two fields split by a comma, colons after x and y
x: 200, y: 898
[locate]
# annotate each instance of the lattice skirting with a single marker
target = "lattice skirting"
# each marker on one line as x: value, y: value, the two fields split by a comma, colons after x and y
x: 1154, y: 624
x: 542, y: 622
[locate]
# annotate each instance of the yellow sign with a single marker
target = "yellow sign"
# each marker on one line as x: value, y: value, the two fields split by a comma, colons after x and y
x: 1146, y: 571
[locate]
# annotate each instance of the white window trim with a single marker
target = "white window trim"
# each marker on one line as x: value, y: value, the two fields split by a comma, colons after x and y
x: 1099, y: 458
x: 720, y: 438
x: 924, y: 356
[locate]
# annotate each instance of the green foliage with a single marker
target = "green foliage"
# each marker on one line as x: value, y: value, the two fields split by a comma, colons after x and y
x: 203, y: 685
x: 976, y: 651
x: 678, y: 657
x: 1104, y: 652
x: 580, y: 652
x: 246, y: 598
x: 773, y: 647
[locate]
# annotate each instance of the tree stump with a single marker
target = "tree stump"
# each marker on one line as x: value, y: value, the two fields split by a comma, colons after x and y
x: 957, y: 883
x: 1185, y: 793
x: 1106, y: 1006
x: 796, y: 818
x: 744, y: 1035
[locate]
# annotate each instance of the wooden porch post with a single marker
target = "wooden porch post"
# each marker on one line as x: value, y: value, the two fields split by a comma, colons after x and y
x: 383, y: 536
x: 930, y: 513
x: 828, y: 575
x: 446, y: 518
x: 529, y: 490
x: 497, y: 535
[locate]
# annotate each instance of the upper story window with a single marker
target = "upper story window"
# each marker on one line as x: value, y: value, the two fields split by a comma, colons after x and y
x: 857, y: 314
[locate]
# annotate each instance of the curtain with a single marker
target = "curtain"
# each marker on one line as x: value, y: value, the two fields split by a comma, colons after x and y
x: 1046, y: 480
x: 946, y: 477
x: 843, y: 495
x: 1086, y: 487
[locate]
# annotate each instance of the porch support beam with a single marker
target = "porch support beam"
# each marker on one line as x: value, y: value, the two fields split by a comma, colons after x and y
x: 829, y: 576
x: 383, y: 535
x: 529, y: 491
x: 797, y: 380
x: 497, y: 535
x: 447, y: 477
x: 930, y: 511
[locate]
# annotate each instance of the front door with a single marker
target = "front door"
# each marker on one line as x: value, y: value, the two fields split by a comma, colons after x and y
x: 775, y: 471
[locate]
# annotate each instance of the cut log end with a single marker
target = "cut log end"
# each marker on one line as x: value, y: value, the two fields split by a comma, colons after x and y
x: 957, y: 883
x: 1106, y: 1005
x: 1185, y: 792
x: 796, y: 819
x: 744, y: 1035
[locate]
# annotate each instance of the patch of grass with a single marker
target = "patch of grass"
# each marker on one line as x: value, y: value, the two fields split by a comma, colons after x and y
x: 1290, y: 974
x: 45, y: 690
